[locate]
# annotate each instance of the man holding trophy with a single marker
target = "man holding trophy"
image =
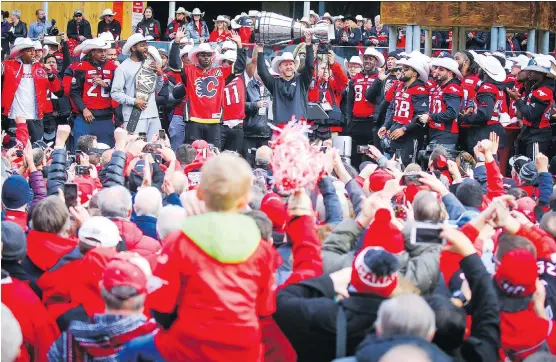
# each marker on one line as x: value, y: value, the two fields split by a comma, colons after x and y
x: 135, y: 83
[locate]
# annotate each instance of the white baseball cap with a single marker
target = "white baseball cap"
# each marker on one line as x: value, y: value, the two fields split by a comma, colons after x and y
x: 99, y: 231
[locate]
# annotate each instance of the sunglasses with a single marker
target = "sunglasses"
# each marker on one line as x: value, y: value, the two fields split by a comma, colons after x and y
x: 405, y: 68
x: 78, y: 15
x: 204, y: 54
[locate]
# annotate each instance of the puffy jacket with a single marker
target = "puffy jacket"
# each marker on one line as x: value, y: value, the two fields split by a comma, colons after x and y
x: 57, y: 175
x: 38, y: 186
x: 134, y: 238
x: 256, y: 125
x: 229, y: 273
x: 113, y: 173
x: 12, y: 69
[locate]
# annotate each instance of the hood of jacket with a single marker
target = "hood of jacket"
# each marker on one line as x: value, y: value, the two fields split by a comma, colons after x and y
x: 133, y: 236
x: 46, y: 249
x: 373, y: 348
x: 228, y: 238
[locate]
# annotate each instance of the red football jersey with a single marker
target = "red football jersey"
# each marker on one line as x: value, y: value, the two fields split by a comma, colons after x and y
x: 468, y: 84
x: 94, y: 96
x: 500, y: 105
x: 361, y: 107
x: 438, y: 105
x: 234, y: 100
x: 404, y: 110
x: 66, y: 83
x: 205, y: 89
x: 544, y: 94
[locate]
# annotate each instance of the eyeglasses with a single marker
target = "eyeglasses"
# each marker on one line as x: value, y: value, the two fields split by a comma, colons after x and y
x: 405, y: 68
x: 78, y: 15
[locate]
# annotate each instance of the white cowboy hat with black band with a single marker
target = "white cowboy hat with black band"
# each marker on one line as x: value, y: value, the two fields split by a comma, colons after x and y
x: 223, y: 19
x: 286, y: 56
x: 95, y: 43
x: 106, y: 12
x: 449, y: 64
x: 131, y: 41
x: 197, y: 11
x: 107, y: 37
x: 417, y: 65
x: 19, y: 45
x: 50, y: 40
x: 201, y: 48
x: 353, y: 60
x: 375, y: 53
x: 491, y: 66
x: 229, y: 55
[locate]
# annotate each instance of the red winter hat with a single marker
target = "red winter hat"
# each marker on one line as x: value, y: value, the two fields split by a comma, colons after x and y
x: 526, y: 206
x: 86, y: 186
x: 378, y: 179
x: 517, y: 273
x: 375, y: 271
x: 275, y: 208
x: 384, y: 234
x: 126, y: 269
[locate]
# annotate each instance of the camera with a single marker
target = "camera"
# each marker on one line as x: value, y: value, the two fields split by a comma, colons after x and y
x: 82, y: 170
x: 363, y: 149
x: 53, y: 30
x: 324, y: 48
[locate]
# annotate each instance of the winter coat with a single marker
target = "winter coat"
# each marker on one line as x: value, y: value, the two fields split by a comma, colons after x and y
x: 478, y: 42
x: 12, y: 69
x: 57, y: 175
x: 306, y: 312
x: 255, y: 125
x: 134, y: 238
x: 38, y: 186
x: 100, y: 339
x: 74, y: 30
x: 373, y: 348
x: 113, y: 173
x: 229, y: 273
x: 192, y: 32
x: 38, y: 328
x: 147, y: 225
x: 149, y: 27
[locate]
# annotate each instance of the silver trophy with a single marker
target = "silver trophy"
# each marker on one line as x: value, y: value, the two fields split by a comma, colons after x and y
x: 272, y: 28
x: 145, y: 84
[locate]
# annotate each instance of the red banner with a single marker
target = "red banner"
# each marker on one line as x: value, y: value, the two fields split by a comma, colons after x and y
x: 118, y: 8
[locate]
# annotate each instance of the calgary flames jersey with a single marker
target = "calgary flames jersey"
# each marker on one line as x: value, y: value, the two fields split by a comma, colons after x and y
x: 234, y: 100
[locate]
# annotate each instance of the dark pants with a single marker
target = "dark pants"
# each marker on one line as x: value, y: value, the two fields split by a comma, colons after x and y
x: 405, y: 145
x: 232, y: 138
x: 34, y: 126
x: 250, y: 146
x: 103, y: 129
x: 201, y: 131
x: 362, y: 133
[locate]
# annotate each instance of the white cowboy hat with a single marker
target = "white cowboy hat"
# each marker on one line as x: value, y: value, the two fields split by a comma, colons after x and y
x: 78, y: 50
x: 305, y: 20
x: 19, y: 45
x: 286, y: 56
x: 531, y: 54
x: 353, y: 60
x: 253, y: 13
x: 197, y: 11
x: 491, y: 66
x: 50, y: 40
x: 228, y: 45
x: 37, y: 45
x: 186, y: 41
x: 181, y: 10
x: 131, y: 41
x: 359, y: 18
x: 95, y: 43
x: 230, y: 55
x: 312, y: 13
x: 509, y: 64
x: 449, y: 64
x: 185, y: 50
x: 223, y: 19
x: 106, y: 12
x: 375, y: 53
x: 417, y: 65
x: 520, y: 61
x: 541, y: 64
x: 270, y: 70
x: 201, y: 48
x: 107, y: 37
x: 339, y: 17
x: 155, y: 54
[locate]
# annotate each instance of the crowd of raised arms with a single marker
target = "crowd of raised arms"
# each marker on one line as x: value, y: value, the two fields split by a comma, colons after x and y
x: 208, y: 201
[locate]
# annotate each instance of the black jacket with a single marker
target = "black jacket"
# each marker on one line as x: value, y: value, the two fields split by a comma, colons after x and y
x: 57, y: 175
x: 113, y: 173
x: 478, y: 42
x: 149, y: 27
x: 375, y: 94
x: 306, y: 313
x: 114, y: 27
x: 373, y: 348
x: 74, y: 30
x: 255, y: 125
x: 20, y: 31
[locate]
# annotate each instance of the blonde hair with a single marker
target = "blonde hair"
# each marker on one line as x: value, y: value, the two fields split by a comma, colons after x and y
x: 225, y: 180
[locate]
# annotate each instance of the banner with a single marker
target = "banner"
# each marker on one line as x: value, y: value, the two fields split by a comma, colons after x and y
x: 137, y: 14
x: 118, y: 8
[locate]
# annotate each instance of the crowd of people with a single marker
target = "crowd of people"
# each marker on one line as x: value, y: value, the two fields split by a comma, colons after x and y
x: 143, y: 218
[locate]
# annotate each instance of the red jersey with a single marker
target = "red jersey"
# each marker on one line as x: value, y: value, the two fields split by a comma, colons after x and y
x: 469, y: 83
x: 403, y: 98
x: 544, y: 94
x: 205, y: 90
x: 438, y: 105
x: 86, y: 93
x: 362, y: 108
x: 216, y: 37
x: 234, y: 100
x: 500, y: 105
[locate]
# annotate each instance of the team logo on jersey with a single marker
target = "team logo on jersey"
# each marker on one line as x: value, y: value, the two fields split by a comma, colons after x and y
x: 41, y: 73
x: 206, y: 86
x: 469, y: 81
x: 486, y: 87
x: 541, y: 93
x: 421, y: 89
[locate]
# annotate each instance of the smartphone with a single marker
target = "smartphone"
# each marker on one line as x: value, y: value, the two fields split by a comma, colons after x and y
x: 19, y: 153
x: 411, y: 179
x: 78, y: 155
x: 161, y: 134
x: 151, y: 147
x: 143, y: 135
x: 82, y: 170
x: 40, y: 144
x: 70, y: 194
x: 363, y: 149
x: 427, y: 233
